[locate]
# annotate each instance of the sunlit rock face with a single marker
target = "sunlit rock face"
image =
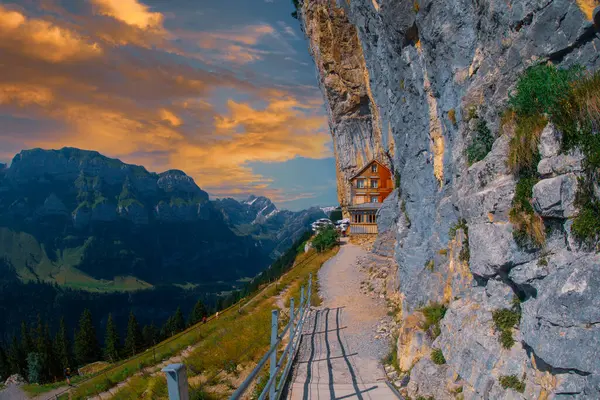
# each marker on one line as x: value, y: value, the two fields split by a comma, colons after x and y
x: 408, y: 82
x: 359, y: 133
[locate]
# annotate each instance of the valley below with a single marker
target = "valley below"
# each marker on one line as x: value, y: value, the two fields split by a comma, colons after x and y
x: 79, y: 230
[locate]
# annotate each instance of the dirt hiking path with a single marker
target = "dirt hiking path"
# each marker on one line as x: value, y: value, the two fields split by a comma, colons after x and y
x: 339, y: 356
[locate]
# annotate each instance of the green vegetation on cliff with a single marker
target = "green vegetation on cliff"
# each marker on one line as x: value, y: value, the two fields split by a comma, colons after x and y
x: 438, y: 357
x: 505, y: 320
x: 481, y: 144
x: 512, y: 382
x: 570, y: 99
x: 434, y: 313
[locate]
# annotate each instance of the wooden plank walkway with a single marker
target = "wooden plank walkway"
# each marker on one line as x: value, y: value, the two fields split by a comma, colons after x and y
x: 339, y: 356
x: 326, y: 368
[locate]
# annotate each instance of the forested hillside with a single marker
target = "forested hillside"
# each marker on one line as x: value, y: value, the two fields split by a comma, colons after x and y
x: 80, y: 231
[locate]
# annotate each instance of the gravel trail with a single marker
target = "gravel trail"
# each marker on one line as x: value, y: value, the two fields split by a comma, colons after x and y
x: 339, y: 356
x: 14, y: 392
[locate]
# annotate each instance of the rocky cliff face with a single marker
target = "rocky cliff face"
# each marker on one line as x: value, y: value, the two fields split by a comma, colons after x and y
x: 360, y: 134
x: 412, y: 83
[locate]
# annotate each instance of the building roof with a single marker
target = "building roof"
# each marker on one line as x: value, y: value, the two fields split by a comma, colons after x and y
x: 365, y: 206
x: 367, y: 165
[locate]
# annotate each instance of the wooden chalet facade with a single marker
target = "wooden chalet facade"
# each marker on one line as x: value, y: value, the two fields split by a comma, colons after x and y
x: 370, y: 187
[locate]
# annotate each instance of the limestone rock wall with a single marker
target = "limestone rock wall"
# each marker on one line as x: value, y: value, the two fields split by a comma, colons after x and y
x: 408, y: 81
x: 359, y: 133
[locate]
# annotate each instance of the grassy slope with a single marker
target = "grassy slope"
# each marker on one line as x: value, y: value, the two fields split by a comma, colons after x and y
x: 235, y: 340
x: 23, y: 250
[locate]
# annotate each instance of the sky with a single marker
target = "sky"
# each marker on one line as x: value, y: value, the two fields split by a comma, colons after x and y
x: 223, y: 90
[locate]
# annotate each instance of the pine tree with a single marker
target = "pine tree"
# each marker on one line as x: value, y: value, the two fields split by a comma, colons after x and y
x: 198, y: 313
x: 34, y: 367
x: 178, y: 321
x: 27, y: 345
x: 87, y: 349
x: 133, y: 340
x: 52, y: 366
x: 41, y: 360
x: 111, y: 341
x: 62, y: 347
x: 16, y: 358
x: 167, y: 328
x: 149, y: 335
x: 38, y: 338
x: 4, y: 364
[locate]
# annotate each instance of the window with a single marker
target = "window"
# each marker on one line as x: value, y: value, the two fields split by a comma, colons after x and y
x: 374, y: 183
x: 360, y: 183
x: 374, y: 168
x: 374, y: 199
x: 357, y: 218
x: 371, y: 218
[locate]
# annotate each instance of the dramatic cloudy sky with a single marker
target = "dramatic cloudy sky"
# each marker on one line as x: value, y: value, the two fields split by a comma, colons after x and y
x: 224, y: 90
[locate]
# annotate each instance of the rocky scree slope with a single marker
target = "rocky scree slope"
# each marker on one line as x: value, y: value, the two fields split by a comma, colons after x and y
x: 418, y: 84
x: 77, y: 209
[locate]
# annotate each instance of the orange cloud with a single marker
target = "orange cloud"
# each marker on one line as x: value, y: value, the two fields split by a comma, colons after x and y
x: 168, y: 116
x: 281, y: 131
x: 285, y: 129
x: 42, y: 40
x: 109, y: 131
x: 24, y: 95
x: 130, y: 12
x: 248, y: 35
x: 238, y: 46
x: 134, y: 106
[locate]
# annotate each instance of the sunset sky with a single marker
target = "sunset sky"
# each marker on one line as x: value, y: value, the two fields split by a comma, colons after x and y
x: 223, y: 90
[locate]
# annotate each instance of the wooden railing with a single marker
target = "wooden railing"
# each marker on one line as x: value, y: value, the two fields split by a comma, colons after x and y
x: 363, y: 229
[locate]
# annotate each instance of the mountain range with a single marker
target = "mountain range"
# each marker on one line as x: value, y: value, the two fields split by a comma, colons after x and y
x: 86, y: 221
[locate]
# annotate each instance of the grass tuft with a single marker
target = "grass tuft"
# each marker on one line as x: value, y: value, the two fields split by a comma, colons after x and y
x: 403, y: 209
x: 528, y: 227
x: 430, y: 265
x: 461, y: 224
x: 506, y: 339
x: 523, y: 153
x: 434, y: 313
x: 512, y: 382
x: 438, y: 357
x: 465, y: 251
x: 505, y: 320
x: 586, y: 226
x: 392, y: 357
x: 570, y: 99
x: 481, y: 144
x: 541, y: 89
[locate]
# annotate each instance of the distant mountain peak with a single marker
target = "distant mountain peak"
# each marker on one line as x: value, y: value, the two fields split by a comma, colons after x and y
x: 173, y: 172
x: 176, y: 180
x: 262, y: 208
x: 253, y: 199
